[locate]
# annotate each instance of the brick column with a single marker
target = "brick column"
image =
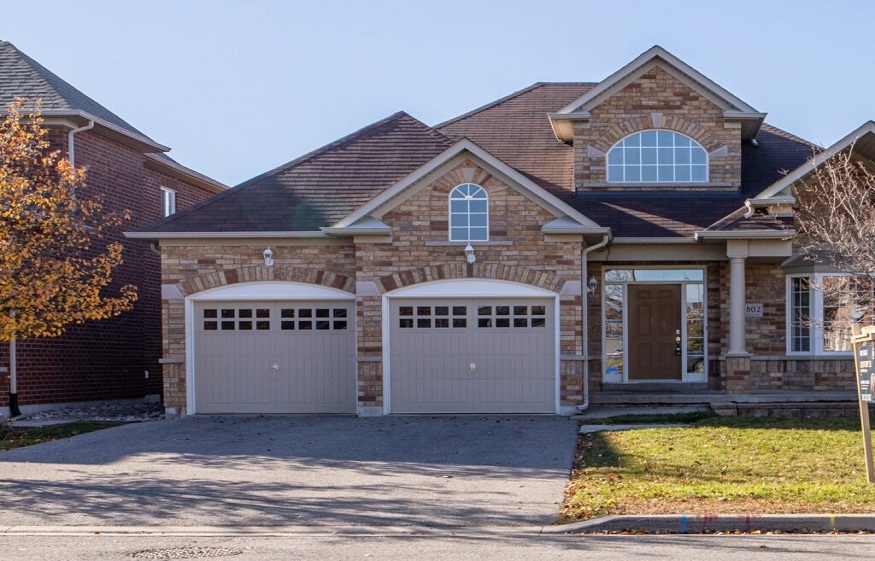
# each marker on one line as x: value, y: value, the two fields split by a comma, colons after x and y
x: 738, y: 374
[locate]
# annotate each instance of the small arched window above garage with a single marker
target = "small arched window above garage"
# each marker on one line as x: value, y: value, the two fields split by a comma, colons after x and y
x: 469, y: 214
x: 657, y: 156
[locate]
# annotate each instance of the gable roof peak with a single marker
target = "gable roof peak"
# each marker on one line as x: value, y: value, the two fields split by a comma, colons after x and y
x: 23, y: 77
x: 733, y: 107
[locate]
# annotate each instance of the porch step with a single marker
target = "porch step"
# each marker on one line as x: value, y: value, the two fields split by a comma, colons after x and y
x: 657, y: 387
x: 637, y: 398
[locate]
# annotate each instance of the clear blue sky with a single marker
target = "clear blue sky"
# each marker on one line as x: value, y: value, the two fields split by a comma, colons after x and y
x: 238, y: 87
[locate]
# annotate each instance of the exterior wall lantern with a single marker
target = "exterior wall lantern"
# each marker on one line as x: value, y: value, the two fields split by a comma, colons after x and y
x: 268, y: 257
x: 592, y: 285
x: 469, y: 254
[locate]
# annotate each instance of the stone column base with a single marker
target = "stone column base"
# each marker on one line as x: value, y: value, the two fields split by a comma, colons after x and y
x: 738, y: 374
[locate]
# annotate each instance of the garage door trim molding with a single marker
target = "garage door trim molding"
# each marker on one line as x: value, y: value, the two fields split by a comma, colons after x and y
x: 463, y: 289
x: 255, y: 291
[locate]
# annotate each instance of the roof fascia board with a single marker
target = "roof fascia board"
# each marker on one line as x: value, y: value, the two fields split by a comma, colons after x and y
x: 653, y: 241
x: 746, y: 235
x: 228, y: 235
x: 364, y: 227
x: 183, y: 173
x: 139, y: 142
x: 566, y: 225
x: 645, y: 61
x: 783, y: 184
x: 499, y: 168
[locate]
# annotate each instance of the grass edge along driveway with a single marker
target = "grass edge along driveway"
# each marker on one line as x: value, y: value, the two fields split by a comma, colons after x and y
x: 722, y: 465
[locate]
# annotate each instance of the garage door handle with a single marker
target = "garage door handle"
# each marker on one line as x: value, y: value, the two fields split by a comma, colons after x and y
x: 275, y: 367
x: 472, y: 367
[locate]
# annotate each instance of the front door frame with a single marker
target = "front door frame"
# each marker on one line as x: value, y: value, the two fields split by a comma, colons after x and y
x: 686, y: 377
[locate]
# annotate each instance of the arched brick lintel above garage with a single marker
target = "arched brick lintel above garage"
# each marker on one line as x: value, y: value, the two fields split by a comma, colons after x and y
x: 491, y: 271
x: 305, y: 275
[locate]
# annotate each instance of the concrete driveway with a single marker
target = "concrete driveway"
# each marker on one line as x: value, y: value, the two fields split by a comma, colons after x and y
x: 280, y: 471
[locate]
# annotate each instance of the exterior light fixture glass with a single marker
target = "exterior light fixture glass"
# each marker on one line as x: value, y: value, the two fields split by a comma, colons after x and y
x: 268, y: 257
x: 469, y: 254
x: 593, y: 284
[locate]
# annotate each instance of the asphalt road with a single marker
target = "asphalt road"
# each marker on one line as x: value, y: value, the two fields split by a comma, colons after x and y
x: 482, y: 547
x: 287, y: 471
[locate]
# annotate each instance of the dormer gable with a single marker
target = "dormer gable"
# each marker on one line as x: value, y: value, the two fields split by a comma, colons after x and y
x: 579, y: 110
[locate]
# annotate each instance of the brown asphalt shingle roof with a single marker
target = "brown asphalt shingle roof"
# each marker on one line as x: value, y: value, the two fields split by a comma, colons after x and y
x: 319, y: 188
x: 21, y: 76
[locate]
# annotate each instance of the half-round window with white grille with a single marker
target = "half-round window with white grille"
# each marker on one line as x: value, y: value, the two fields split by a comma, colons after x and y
x: 657, y: 156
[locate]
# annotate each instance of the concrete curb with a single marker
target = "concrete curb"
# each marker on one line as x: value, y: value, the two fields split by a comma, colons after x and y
x: 268, y: 531
x: 655, y: 524
x: 703, y: 524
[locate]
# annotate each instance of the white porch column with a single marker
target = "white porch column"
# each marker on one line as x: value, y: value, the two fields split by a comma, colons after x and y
x: 737, y: 252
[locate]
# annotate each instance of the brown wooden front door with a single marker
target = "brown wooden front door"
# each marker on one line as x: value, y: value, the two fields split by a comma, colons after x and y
x: 654, y: 325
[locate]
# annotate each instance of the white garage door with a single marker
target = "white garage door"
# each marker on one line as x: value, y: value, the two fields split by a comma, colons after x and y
x: 473, y: 356
x: 274, y: 357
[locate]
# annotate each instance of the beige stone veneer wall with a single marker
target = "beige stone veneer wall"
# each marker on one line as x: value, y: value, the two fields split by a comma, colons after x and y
x: 656, y: 100
x: 419, y: 251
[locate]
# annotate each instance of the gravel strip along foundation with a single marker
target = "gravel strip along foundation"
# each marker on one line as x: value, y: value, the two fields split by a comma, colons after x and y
x: 125, y: 412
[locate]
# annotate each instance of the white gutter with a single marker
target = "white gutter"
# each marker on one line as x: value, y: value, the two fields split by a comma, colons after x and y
x: 584, y: 289
x: 746, y: 235
x: 220, y: 235
x: 71, y: 146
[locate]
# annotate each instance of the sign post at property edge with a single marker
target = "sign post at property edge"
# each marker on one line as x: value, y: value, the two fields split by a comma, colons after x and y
x: 864, y: 364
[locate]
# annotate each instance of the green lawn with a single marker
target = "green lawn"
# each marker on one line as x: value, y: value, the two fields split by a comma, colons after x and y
x: 719, y: 465
x: 16, y: 437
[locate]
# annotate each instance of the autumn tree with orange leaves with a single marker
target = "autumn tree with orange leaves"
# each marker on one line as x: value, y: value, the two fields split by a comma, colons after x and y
x: 53, y: 272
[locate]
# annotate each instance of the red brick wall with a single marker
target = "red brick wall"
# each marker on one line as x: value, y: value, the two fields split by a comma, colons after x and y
x: 106, y: 359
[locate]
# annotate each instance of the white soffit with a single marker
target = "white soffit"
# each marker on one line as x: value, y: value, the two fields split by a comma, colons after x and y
x: 367, y: 226
x: 863, y: 141
x: 470, y: 288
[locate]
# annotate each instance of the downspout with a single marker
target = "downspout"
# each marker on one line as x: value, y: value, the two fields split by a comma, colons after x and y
x: 14, y: 411
x: 584, y: 289
x: 71, y: 147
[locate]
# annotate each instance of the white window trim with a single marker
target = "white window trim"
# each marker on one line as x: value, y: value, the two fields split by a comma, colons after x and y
x: 168, y: 202
x: 815, y: 300
x: 690, y: 182
x: 450, y: 214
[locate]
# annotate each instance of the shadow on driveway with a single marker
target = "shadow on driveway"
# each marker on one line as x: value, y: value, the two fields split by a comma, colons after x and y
x: 435, y: 471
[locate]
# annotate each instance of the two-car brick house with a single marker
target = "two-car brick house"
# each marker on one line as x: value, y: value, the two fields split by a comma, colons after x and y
x: 568, y: 238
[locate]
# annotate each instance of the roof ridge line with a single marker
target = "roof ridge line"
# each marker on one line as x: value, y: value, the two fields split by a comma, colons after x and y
x: 57, y: 85
x: 299, y: 160
x: 327, y: 147
x: 792, y: 136
x: 508, y: 97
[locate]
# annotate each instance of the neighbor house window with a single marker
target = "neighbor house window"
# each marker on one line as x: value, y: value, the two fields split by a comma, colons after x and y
x: 168, y: 201
x: 469, y: 213
x: 819, y: 311
x: 657, y: 157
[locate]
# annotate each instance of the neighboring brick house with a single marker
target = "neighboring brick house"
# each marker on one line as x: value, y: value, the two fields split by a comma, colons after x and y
x: 109, y: 359
x: 633, y: 231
